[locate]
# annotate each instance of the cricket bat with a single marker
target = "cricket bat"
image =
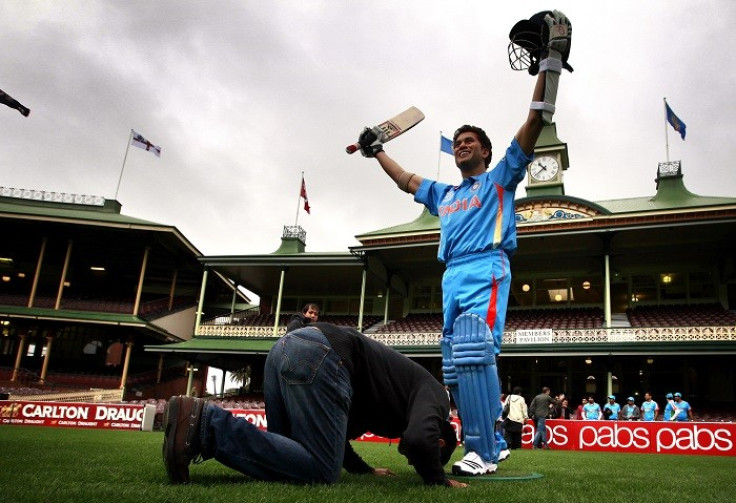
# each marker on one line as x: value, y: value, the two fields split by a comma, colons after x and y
x: 395, y: 126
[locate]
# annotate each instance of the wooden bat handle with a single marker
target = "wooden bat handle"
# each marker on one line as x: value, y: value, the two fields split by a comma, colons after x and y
x: 351, y: 149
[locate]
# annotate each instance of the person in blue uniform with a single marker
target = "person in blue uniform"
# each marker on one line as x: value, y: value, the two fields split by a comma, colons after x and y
x: 669, y: 409
x: 477, y: 239
x: 591, y: 410
x: 649, y: 408
x: 611, y: 409
x: 682, y: 411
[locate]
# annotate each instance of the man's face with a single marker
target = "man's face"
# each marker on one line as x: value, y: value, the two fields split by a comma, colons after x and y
x: 647, y: 396
x: 468, y: 151
x: 312, y: 314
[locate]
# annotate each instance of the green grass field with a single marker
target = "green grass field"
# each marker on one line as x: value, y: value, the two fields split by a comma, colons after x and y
x: 50, y: 465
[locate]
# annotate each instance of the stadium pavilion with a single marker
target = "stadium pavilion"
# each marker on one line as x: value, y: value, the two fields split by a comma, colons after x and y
x: 621, y: 296
x: 84, y: 288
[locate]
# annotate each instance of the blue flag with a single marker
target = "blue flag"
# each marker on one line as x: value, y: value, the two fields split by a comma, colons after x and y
x: 446, y: 145
x: 675, y: 121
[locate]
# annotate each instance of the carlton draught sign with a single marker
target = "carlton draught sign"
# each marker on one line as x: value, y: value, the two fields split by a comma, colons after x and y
x: 661, y: 437
x: 76, y: 415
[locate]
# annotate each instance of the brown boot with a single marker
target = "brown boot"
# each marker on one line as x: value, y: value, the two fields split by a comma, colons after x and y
x: 182, y: 417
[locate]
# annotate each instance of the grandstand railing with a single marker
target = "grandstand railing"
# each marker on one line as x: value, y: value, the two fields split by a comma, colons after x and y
x: 239, y: 331
x: 576, y: 336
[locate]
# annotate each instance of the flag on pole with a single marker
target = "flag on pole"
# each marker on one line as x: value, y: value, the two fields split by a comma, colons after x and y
x: 138, y: 141
x: 6, y: 99
x: 675, y: 121
x: 446, y: 145
x: 303, y: 194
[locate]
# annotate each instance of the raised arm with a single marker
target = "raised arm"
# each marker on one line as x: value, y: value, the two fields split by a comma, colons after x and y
x: 406, y: 181
x: 545, y: 89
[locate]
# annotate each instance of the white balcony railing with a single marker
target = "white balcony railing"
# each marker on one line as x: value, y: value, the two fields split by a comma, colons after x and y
x: 577, y: 336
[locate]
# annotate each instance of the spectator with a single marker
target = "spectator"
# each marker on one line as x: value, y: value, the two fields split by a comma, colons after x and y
x: 591, y: 410
x: 611, y: 409
x: 540, y: 409
x: 309, y: 314
x: 649, y: 408
x: 516, y: 416
x: 563, y: 410
x: 630, y: 411
x: 579, y: 412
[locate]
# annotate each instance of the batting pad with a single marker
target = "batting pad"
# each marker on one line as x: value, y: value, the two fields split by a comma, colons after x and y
x: 478, y: 387
x: 449, y: 374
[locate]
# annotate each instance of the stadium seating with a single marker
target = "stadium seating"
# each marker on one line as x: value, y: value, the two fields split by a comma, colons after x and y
x: 681, y: 316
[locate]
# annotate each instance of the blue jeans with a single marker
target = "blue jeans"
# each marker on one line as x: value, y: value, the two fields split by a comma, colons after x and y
x: 307, y: 395
x: 540, y: 437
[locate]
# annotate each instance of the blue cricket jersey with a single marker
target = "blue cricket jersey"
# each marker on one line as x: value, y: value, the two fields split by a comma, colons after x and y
x: 682, y: 409
x: 648, y: 410
x: 591, y: 411
x: 477, y: 215
x: 614, y: 408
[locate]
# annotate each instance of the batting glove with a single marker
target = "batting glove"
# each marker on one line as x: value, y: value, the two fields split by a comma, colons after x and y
x: 560, y: 31
x: 371, y: 141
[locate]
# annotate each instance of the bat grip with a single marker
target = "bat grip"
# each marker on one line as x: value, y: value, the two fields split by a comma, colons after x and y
x: 351, y: 149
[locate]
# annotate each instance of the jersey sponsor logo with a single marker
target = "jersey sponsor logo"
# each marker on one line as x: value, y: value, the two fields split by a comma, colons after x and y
x: 460, y: 205
x: 475, y: 186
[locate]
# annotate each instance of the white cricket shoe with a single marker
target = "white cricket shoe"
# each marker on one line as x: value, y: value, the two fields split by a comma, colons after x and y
x: 504, y: 455
x: 473, y: 464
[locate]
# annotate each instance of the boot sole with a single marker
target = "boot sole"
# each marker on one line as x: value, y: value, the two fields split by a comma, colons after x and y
x: 171, y: 415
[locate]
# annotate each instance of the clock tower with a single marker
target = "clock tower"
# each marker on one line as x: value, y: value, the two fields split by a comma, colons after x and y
x: 550, y: 161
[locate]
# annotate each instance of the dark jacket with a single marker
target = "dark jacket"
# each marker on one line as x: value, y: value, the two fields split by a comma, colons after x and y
x: 393, y: 397
x: 297, y: 320
x: 540, y: 406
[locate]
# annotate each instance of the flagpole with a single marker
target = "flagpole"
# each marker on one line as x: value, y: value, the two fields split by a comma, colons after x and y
x: 130, y: 137
x: 439, y: 158
x: 666, y: 135
x: 298, y: 201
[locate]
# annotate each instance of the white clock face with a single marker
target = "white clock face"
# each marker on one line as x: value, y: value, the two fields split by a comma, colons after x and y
x: 544, y: 168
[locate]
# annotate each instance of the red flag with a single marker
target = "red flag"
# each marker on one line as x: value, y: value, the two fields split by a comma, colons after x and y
x: 303, y: 194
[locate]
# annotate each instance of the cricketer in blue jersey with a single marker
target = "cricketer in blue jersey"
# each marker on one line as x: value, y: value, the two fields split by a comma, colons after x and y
x: 611, y: 409
x: 591, y: 410
x: 669, y: 409
x: 682, y: 411
x: 649, y: 408
x: 477, y: 238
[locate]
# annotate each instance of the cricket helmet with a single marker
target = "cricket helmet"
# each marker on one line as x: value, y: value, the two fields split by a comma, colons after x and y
x: 528, y: 41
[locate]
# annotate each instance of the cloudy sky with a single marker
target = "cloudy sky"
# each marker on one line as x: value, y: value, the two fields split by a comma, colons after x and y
x: 244, y: 96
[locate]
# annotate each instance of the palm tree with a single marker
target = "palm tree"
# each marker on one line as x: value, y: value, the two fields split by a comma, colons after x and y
x: 242, y: 376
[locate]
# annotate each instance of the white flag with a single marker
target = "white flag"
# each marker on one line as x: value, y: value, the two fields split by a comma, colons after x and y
x: 140, y: 142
